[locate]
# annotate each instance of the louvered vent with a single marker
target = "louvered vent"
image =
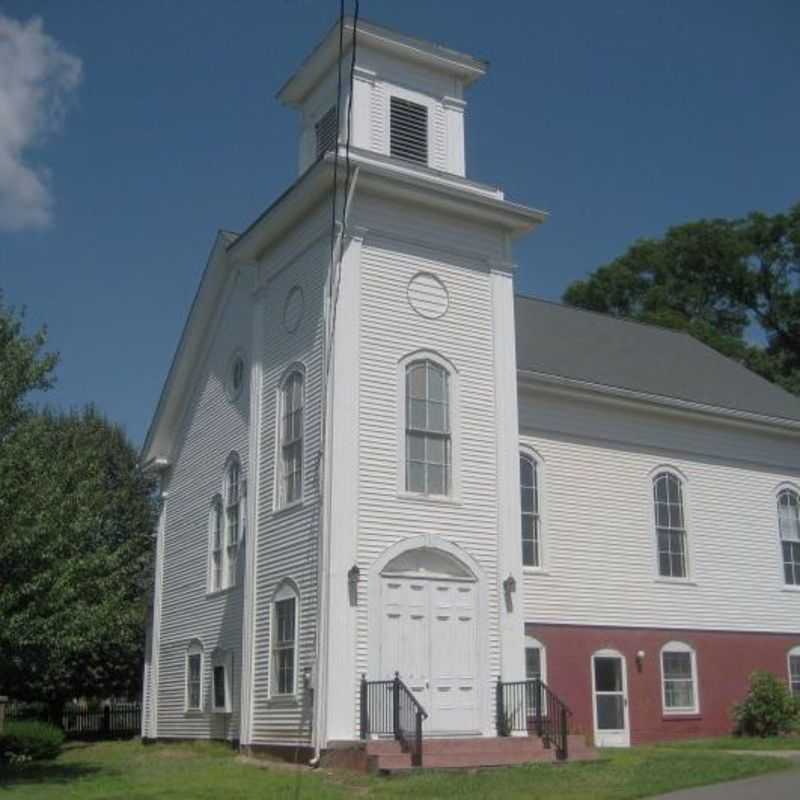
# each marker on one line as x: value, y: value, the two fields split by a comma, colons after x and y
x: 409, y: 131
x: 326, y: 132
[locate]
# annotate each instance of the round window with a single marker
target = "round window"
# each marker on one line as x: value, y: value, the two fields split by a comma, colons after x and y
x: 236, y: 377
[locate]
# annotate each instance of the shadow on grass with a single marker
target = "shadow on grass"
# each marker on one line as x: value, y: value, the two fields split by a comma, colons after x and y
x: 43, y: 773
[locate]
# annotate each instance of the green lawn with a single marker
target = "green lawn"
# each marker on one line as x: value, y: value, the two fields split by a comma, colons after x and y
x: 130, y: 771
x: 740, y: 743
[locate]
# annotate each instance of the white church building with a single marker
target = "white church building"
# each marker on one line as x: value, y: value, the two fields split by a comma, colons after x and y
x: 387, y: 480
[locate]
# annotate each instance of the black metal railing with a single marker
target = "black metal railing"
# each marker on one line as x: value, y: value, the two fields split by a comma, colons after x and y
x: 532, y: 707
x: 389, y: 708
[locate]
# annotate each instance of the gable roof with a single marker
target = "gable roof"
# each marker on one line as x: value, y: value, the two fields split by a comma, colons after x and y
x: 599, y: 349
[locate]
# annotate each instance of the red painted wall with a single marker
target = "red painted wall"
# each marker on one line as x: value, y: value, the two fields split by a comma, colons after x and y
x: 724, y: 662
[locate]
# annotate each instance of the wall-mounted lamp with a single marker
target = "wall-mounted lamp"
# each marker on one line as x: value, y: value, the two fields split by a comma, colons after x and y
x: 353, y: 577
x: 509, y: 587
x: 639, y: 660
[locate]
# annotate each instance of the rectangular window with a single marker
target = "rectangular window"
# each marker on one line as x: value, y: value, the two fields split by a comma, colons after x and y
x: 794, y: 675
x: 194, y: 664
x: 220, y: 689
x: 292, y: 439
x: 670, y: 526
x: 533, y: 663
x: 679, y: 691
x: 529, y: 504
x: 216, y: 546
x: 427, y: 429
x: 284, y: 646
x: 408, y: 131
x: 325, y: 130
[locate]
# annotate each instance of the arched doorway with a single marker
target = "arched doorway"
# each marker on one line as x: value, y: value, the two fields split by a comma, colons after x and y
x: 429, y: 610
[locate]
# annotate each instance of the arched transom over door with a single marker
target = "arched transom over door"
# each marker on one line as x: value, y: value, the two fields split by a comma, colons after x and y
x: 429, y: 630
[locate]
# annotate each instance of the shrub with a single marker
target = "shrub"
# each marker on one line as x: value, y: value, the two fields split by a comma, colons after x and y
x: 768, y: 710
x: 30, y: 741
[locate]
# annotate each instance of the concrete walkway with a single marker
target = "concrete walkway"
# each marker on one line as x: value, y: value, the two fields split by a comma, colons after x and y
x: 775, y: 786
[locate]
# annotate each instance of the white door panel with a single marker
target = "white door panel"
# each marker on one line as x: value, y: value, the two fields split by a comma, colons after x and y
x: 429, y: 635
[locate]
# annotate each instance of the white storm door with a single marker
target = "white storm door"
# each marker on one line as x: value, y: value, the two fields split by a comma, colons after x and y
x: 454, y: 681
x: 405, y: 635
x: 610, y: 696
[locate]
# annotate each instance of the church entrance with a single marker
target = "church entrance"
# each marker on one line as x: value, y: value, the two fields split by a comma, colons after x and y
x: 429, y: 635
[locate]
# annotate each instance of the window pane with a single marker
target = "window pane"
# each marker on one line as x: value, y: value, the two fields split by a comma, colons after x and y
x: 417, y: 415
x: 610, y: 712
x: 660, y: 486
x: 219, y: 687
x: 527, y: 499
x: 608, y: 674
x: 533, y: 663
x: 436, y: 450
x: 415, y: 381
x: 415, y: 445
x: 436, y: 479
x: 679, y: 694
x: 284, y: 617
x: 437, y: 383
x: 789, y: 516
x: 437, y: 417
x: 285, y: 659
x: 525, y: 471
x: 529, y: 554
x: 416, y: 476
x: 677, y: 665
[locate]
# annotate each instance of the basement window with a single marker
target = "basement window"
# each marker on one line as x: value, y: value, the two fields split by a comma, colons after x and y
x: 408, y: 131
x: 326, y: 131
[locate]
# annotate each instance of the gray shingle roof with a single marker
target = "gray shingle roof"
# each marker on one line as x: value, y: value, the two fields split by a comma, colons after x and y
x: 597, y: 348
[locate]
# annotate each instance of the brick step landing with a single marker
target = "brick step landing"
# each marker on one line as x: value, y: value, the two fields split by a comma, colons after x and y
x: 386, y: 755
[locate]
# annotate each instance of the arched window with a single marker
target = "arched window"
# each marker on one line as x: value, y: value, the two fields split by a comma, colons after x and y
x: 194, y: 676
x: 217, y: 545
x: 789, y: 527
x: 679, y: 678
x: 529, y: 501
x: 794, y: 671
x: 291, y: 438
x: 233, y: 518
x: 284, y: 640
x: 428, y: 443
x: 670, y: 525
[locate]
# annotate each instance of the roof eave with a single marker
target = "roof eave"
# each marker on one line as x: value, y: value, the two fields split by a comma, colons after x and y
x: 466, y: 68
x: 674, y: 404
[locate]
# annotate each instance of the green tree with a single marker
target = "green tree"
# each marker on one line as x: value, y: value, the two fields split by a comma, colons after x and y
x: 77, y: 518
x: 733, y: 284
x: 23, y: 367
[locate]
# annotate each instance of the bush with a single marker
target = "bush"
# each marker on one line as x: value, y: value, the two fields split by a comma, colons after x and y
x: 29, y: 741
x: 768, y: 710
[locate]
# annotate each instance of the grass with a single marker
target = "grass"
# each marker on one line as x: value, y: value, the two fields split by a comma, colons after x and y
x: 740, y: 743
x: 130, y: 771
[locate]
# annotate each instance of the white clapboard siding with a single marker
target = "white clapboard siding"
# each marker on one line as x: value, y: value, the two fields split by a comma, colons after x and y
x: 288, y: 539
x: 212, y: 427
x: 389, y: 330
x: 597, y: 520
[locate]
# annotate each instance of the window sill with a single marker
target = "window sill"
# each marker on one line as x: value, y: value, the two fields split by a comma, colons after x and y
x: 289, y: 507
x: 193, y: 712
x: 219, y: 592
x: 680, y: 716
x: 789, y: 588
x: 534, y: 570
x: 431, y: 499
x: 222, y: 712
x: 283, y: 701
x: 675, y: 581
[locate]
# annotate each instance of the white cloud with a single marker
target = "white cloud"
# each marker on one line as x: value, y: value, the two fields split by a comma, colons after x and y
x: 37, y: 79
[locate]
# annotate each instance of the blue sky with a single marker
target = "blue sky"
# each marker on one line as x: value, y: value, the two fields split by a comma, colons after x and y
x: 620, y: 118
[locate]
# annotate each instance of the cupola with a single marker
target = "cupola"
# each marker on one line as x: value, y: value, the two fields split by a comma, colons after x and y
x: 408, y: 97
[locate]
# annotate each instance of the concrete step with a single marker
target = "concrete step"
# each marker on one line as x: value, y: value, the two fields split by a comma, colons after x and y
x: 493, y: 758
